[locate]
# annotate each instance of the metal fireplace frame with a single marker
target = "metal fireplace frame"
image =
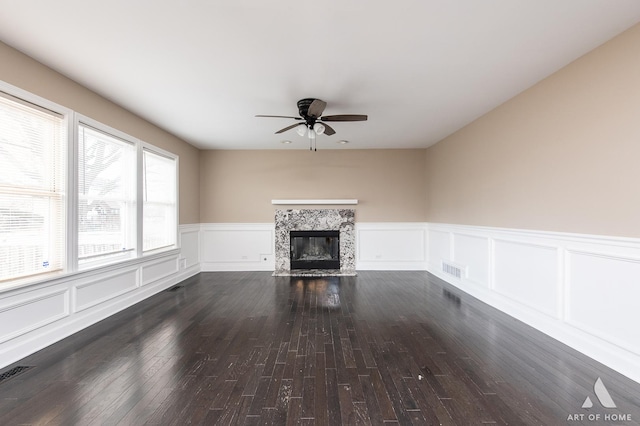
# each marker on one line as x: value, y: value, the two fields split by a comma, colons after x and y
x: 313, y: 264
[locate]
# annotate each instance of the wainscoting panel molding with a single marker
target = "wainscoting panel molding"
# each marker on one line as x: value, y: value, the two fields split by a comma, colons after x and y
x: 439, y: 245
x: 613, y: 281
x: 473, y: 254
x: 527, y: 273
x: 35, y: 316
x: 102, y: 287
x: 45, y: 306
x: 237, y: 247
x: 153, y: 271
x: 582, y: 290
x: 250, y: 246
x: 391, y: 246
x: 190, y: 246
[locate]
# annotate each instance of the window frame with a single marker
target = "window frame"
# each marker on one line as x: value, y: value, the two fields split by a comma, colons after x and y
x: 39, y: 103
x: 160, y: 152
x: 70, y: 144
x: 82, y: 120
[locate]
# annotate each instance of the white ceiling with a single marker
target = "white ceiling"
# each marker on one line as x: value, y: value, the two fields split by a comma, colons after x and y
x: 202, y: 69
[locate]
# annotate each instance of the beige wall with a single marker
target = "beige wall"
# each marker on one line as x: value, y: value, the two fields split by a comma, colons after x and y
x: 22, y: 71
x: 238, y: 186
x: 562, y: 156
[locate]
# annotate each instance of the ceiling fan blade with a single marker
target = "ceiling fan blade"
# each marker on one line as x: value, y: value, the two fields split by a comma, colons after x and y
x: 328, y: 130
x: 287, y: 128
x: 344, y: 117
x: 316, y: 108
x: 279, y: 116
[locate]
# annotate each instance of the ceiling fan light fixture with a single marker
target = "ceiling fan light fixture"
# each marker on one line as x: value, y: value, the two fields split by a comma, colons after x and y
x: 311, y: 121
x: 301, y: 129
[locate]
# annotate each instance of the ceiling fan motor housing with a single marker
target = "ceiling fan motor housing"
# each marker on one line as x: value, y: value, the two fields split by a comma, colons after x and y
x: 311, y: 110
x: 303, y: 107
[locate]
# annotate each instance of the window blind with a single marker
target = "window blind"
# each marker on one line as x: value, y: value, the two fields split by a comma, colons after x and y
x: 159, y: 205
x: 32, y: 182
x: 106, y: 195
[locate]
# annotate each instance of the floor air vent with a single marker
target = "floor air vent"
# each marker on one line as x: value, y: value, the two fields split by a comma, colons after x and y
x: 453, y: 270
x: 175, y: 288
x: 15, y: 371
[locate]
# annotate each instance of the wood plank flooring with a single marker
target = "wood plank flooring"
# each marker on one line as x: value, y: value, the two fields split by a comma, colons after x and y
x: 246, y: 348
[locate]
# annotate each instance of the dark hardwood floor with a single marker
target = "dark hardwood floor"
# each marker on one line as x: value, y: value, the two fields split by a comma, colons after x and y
x: 247, y: 348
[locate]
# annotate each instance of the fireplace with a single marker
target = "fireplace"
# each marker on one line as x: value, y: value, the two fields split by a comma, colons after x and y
x: 328, y: 235
x: 315, y: 249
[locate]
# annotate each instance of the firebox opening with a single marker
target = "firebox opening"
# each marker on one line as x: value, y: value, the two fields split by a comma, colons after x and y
x: 315, y: 249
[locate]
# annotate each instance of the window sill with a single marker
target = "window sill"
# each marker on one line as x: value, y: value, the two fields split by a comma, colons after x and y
x: 59, y: 277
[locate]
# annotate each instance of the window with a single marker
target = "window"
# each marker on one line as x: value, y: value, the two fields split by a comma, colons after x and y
x: 159, y: 205
x: 76, y: 194
x: 106, y: 196
x: 32, y: 189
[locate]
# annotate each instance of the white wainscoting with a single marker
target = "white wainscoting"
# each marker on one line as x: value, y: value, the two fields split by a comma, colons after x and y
x: 38, y: 315
x: 237, y: 246
x: 250, y: 246
x: 47, y: 306
x: 391, y: 246
x: 580, y: 289
x: 189, y: 246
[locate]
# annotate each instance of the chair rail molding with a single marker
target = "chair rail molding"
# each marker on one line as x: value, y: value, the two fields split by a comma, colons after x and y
x: 315, y: 202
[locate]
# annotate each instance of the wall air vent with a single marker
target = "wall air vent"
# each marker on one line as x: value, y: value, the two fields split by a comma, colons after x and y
x: 454, y: 270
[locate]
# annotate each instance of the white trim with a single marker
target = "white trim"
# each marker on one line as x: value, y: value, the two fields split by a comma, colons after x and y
x: 38, y: 101
x: 257, y: 255
x: 530, y: 233
x: 315, y: 202
x: 19, y: 298
x: 46, y: 106
x: 377, y: 233
x: 620, y: 354
x: 144, y: 146
x: 24, y: 303
x: 98, y: 282
x: 379, y: 253
x: 237, y: 226
x: 607, y: 336
x: 139, y: 199
x: 134, y: 143
x: 70, y: 318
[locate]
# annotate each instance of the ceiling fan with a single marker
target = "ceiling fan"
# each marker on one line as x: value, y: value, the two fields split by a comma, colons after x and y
x: 311, y: 120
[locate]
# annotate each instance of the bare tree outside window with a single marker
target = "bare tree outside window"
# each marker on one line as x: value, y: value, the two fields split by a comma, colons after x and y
x: 106, y: 204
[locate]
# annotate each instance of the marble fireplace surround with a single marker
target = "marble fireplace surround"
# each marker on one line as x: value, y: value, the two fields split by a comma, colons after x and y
x: 342, y: 220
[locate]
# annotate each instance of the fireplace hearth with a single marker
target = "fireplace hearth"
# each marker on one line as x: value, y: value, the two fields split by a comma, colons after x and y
x: 315, y: 249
